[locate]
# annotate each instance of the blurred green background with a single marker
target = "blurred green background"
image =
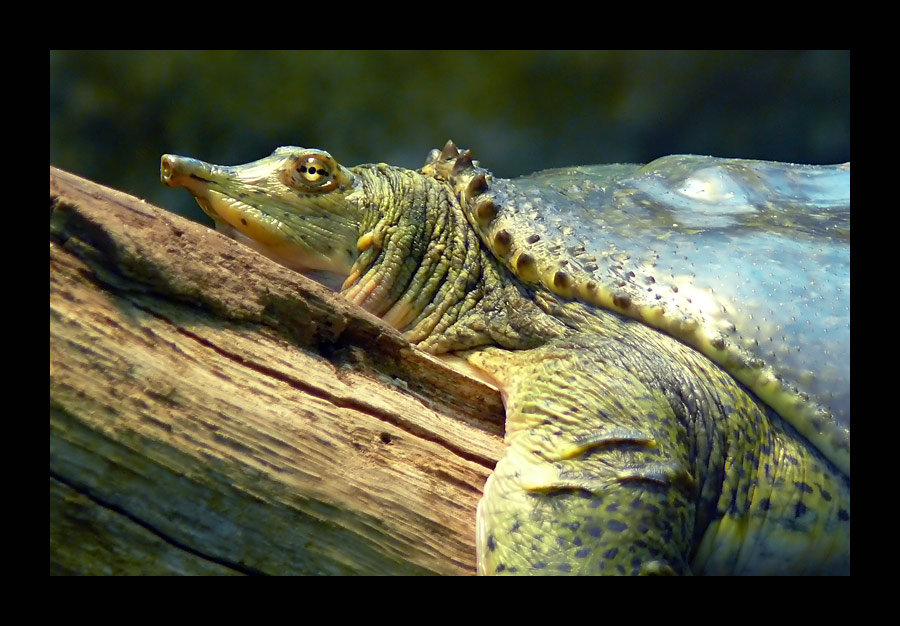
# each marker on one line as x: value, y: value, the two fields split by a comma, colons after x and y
x: 113, y: 114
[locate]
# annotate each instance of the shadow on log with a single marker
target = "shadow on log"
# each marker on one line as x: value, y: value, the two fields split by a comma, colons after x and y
x: 212, y: 412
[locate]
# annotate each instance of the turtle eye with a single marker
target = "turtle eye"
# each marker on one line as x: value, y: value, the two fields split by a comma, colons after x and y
x: 314, y: 171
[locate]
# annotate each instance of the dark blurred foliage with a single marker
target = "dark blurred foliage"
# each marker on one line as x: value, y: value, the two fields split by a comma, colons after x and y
x: 112, y: 114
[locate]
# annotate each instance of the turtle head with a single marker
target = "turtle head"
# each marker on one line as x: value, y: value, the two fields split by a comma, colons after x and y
x: 389, y: 238
x: 297, y: 206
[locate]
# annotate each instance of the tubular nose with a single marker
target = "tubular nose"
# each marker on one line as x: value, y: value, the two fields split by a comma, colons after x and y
x: 179, y: 171
x: 168, y: 169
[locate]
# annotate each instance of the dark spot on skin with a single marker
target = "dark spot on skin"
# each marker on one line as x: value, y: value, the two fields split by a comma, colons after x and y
x: 584, y: 552
x: 799, y: 510
x: 502, y: 242
x: 491, y: 544
x: 486, y: 211
x: 561, y: 280
x: 732, y: 506
x: 668, y: 531
x: 616, y: 526
x: 611, y: 553
x: 477, y: 185
x: 594, y: 531
x: 385, y: 438
x: 565, y: 567
x: 539, y: 565
x: 243, y: 221
x: 843, y: 515
x: 533, y: 238
x: 525, y: 262
x: 623, y: 302
x: 825, y: 495
x: 803, y: 487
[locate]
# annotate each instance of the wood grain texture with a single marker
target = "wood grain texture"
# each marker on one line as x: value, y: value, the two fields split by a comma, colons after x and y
x: 212, y: 412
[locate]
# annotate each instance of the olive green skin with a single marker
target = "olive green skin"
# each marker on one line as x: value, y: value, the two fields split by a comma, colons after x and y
x: 642, y: 438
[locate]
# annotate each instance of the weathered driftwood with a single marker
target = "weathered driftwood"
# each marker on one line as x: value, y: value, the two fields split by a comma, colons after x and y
x: 214, y: 412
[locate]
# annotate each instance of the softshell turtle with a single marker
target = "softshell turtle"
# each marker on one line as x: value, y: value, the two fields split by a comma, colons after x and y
x: 671, y: 340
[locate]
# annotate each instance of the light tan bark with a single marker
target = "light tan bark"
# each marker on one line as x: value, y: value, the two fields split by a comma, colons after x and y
x: 214, y: 412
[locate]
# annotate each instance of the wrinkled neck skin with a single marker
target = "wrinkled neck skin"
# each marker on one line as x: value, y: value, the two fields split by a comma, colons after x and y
x: 423, y: 270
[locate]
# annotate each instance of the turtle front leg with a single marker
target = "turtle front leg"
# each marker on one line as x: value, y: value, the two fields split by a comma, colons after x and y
x: 596, y: 478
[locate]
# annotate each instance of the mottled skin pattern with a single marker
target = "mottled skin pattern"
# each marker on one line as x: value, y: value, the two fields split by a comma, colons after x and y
x: 629, y: 452
x: 646, y: 470
x: 658, y: 242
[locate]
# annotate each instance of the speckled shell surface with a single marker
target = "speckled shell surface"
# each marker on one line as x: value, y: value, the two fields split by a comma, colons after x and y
x: 747, y: 261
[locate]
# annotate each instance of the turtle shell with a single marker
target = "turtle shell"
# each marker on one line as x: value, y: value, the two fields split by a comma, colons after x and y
x: 746, y: 261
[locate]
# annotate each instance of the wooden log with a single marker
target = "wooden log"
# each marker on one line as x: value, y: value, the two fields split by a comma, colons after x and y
x: 212, y: 412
